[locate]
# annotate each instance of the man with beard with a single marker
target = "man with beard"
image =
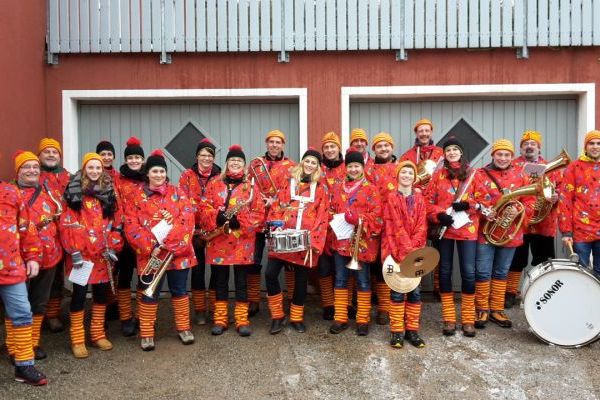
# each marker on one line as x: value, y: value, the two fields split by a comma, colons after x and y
x: 424, y: 149
x: 359, y: 141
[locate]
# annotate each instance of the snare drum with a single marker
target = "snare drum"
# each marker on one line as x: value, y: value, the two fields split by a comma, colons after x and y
x: 288, y: 240
x: 560, y: 300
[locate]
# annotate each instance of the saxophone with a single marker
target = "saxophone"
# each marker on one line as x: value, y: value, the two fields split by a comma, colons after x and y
x: 355, y: 246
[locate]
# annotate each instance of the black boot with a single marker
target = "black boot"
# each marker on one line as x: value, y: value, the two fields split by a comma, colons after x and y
x: 328, y: 313
x: 509, y: 300
x: 253, y: 309
x: 397, y: 340
x: 298, y: 326
x: 414, y: 339
x: 128, y: 327
x: 30, y: 375
x: 276, y: 326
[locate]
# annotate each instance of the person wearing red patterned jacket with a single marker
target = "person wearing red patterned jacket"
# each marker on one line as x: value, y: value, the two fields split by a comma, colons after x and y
x: 540, y: 236
x: 20, y: 258
x: 301, y: 204
x: 157, y: 201
x: 359, y: 202
x: 128, y: 183
x: 278, y: 166
x: 232, y: 208
x: 442, y: 196
x: 106, y: 150
x: 404, y: 230
x: 44, y: 208
x: 334, y: 172
x: 424, y: 149
x: 579, y: 216
x: 193, y: 182
x: 90, y: 231
x: 56, y: 178
x: 360, y: 141
x: 493, y: 260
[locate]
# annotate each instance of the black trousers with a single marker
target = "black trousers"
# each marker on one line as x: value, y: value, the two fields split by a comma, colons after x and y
x: 221, y: 274
x: 274, y: 267
x: 542, y: 248
x: 125, y: 266
x: 56, y: 290
x: 38, y: 290
x: 199, y: 272
x: 259, y: 247
x: 99, y: 294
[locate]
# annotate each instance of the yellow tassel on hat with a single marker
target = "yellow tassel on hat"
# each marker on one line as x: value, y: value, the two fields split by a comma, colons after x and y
x: 382, y: 137
x: 358, y: 133
x: 503, y: 144
x: 275, y: 133
x: 331, y: 137
x: 49, y: 142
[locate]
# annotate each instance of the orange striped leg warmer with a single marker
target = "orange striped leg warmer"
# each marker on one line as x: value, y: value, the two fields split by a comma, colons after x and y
x: 181, y: 312
x: 290, y: 280
x: 253, y: 288
x: 396, y: 316
x: 467, y: 309
x: 53, y: 307
x: 241, y: 314
x: 77, y: 330
x: 296, y: 313
x: 199, y: 300
x: 276, y: 306
x: 220, y: 317
x: 10, y: 343
x: 436, y: 279
x: 341, y: 305
x: 482, y: 295
x: 124, y: 299
x: 448, y: 308
x: 514, y: 279
x: 497, y: 296
x: 22, y: 341
x: 326, y: 286
x: 147, y: 316
x: 413, y: 315
x: 351, y: 288
x: 36, y: 329
x: 363, y: 310
x: 97, y: 325
x: 383, y: 296
x: 212, y: 299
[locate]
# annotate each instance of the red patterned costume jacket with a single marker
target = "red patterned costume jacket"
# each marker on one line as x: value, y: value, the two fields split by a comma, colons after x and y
x: 238, y: 246
x: 127, y: 189
x: 145, y: 212
x: 194, y: 186
x: 411, y: 155
x: 19, y: 239
x: 279, y: 170
x: 56, y: 181
x: 91, y: 234
x: 382, y: 176
x: 315, y: 218
x: 405, y: 225
x: 332, y: 177
x: 440, y: 196
x: 580, y: 200
x: 366, y: 203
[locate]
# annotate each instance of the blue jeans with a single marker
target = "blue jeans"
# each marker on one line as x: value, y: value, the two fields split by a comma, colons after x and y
x: 583, y: 250
x: 363, y: 276
x: 177, y: 280
x: 17, y: 308
x: 412, y: 297
x: 492, y: 262
x: 467, y: 250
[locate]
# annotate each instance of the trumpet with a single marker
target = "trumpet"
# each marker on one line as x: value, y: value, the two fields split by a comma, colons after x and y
x: 156, y: 267
x: 259, y: 171
x: 355, y: 247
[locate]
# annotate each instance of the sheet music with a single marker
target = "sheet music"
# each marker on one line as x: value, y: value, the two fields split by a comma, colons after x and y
x: 161, y: 230
x: 341, y: 228
x: 82, y: 274
x: 461, y: 218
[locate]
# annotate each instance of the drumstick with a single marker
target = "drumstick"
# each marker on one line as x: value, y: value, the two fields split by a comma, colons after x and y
x: 574, y: 257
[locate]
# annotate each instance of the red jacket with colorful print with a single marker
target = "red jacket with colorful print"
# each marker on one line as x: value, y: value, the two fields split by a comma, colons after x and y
x: 195, y: 186
x: 19, y: 240
x: 56, y: 181
x: 382, y: 176
x: 332, y: 177
x: 405, y: 225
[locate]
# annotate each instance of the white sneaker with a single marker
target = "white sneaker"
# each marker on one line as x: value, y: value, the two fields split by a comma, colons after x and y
x: 147, y: 344
x: 186, y: 337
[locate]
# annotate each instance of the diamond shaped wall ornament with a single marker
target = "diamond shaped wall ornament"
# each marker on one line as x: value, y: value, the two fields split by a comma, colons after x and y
x: 183, y: 145
x: 471, y: 140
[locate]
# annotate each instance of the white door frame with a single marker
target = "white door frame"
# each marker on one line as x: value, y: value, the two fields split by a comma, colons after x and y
x: 71, y: 98
x: 585, y: 92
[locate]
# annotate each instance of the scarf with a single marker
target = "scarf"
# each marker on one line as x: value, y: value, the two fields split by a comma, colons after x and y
x: 385, y: 161
x: 74, y: 196
x: 55, y: 170
x: 586, y: 158
x: 130, y: 174
x: 331, y: 164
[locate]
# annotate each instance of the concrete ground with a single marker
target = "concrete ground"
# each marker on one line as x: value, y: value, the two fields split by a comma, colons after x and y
x: 497, y: 364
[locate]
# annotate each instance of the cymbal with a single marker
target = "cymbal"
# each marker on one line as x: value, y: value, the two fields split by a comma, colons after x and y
x: 395, y: 280
x: 419, y: 262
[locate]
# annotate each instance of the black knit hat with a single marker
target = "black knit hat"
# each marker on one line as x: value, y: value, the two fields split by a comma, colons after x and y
x: 353, y: 155
x: 156, y: 159
x: 134, y: 146
x: 105, y: 145
x: 314, y: 153
x: 206, y: 144
x: 236, y: 151
x: 453, y: 141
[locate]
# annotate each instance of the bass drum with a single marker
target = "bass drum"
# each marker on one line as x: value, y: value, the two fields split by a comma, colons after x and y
x: 561, y: 302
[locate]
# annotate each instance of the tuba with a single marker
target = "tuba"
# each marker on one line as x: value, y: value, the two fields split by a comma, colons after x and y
x: 156, y: 267
x: 259, y: 172
x: 425, y: 170
x: 355, y: 247
x: 542, y: 206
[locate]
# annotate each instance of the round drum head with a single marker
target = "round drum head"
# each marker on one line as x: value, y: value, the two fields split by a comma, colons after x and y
x: 420, y: 262
x: 396, y: 280
x: 561, y: 306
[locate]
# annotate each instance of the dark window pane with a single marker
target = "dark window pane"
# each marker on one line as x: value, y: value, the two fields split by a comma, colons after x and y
x: 183, y: 146
x: 472, y: 141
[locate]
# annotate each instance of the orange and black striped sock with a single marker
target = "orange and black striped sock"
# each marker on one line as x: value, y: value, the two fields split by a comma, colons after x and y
x: 77, y: 329
x: 383, y: 296
x: 97, y: 324
x: 341, y: 305
x: 290, y: 279
x: 326, y: 287
x: 497, y: 296
x: 253, y: 288
x: 10, y: 343
x: 276, y: 306
x: 212, y: 299
x: 448, y: 308
x: 482, y: 295
x: 396, y: 316
x: 363, y: 310
x: 147, y: 316
x: 124, y: 299
x: 221, y: 318
x: 436, y: 279
x: 296, y: 313
x: 241, y: 314
x: 181, y: 312
x: 53, y: 307
x: 36, y: 329
x: 514, y: 279
x: 22, y: 342
x: 467, y: 308
x: 413, y: 316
